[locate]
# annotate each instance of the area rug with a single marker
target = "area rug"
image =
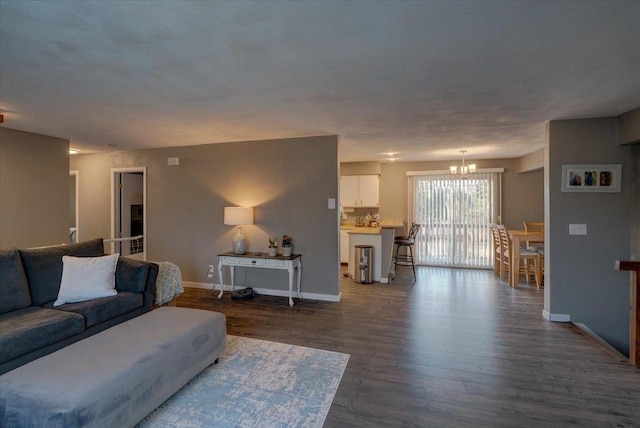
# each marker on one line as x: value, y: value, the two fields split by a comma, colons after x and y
x: 257, y: 383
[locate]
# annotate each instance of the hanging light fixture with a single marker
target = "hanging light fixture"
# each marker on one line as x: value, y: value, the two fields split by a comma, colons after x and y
x: 464, y: 169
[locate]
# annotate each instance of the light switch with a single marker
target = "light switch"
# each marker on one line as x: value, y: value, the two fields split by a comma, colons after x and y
x: 577, y: 229
x: 332, y: 203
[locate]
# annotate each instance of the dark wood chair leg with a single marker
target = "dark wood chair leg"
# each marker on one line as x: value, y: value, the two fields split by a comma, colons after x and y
x: 413, y: 265
x: 395, y: 259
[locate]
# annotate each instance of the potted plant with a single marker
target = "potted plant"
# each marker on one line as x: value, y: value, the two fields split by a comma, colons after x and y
x: 286, y: 246
x: 273, y: 246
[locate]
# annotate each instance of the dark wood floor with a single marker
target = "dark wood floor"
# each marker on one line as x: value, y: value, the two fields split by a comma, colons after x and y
x: 457, y: 348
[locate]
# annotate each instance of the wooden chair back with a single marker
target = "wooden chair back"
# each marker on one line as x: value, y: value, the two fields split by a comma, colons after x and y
x: 505, y: 250
x: 496, y: 248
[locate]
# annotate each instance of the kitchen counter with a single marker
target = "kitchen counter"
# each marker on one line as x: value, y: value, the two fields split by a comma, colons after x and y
x: 365, y: 230
x: 381, y: 239
x: 391, y: 224
x: 385, y: 224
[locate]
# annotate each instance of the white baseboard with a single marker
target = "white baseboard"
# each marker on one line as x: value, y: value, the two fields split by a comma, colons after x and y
x: 267, y: 291
x: 205, y: 285
x: 556, y: 317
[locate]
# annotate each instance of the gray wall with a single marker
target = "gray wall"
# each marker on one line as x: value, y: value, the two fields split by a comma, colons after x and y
x: 522, y: 193
x: 34, y: 189
x: 532, y: 161
x: 360, y: 168
x: 628, y: 127
x: 288, y: 181
x: 580, y: 280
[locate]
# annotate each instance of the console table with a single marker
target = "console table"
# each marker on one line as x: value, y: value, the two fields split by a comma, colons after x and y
x: 263, y: 261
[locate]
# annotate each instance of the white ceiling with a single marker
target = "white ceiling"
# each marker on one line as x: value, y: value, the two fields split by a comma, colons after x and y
x: 424, y: 79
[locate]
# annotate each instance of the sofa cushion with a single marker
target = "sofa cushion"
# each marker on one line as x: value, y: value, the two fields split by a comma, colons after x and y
x: 32, y: 328
x: 103, y: 309
x: 14, y: 290
x: 131, y: 275
x: 87, y: 278
x: 43, y: 267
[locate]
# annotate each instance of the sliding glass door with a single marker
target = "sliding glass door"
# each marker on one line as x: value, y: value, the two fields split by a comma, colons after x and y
x: 455, y: 214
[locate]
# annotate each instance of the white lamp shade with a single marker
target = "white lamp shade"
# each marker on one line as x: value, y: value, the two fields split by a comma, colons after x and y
x: 237, y: 216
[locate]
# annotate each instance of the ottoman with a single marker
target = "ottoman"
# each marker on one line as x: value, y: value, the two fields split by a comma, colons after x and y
x: 116, y: 377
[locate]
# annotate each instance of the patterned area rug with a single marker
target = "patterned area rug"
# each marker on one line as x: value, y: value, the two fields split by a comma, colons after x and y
x: 257, y: 384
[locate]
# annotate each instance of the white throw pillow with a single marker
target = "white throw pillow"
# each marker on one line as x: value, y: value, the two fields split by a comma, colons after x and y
x: 87, y: 278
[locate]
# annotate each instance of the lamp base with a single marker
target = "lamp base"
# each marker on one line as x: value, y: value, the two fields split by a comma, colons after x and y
x: 239, y: 244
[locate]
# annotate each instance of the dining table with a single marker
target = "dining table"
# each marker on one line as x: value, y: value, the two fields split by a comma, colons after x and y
x: 517, y: 237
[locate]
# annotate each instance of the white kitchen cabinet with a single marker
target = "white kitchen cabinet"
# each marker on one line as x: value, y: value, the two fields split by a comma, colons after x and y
x: 369, y: 190
x: 359, y: 190
x: 349, y: 190
x: 344, y: 246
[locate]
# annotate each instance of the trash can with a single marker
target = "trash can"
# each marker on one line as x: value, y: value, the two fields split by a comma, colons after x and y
x: 363, y: 262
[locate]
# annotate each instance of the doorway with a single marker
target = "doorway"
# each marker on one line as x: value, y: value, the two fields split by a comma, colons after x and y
x: 129, y: 212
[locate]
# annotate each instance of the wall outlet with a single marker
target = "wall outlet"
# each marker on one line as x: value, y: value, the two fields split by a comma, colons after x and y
x: 210, y: 272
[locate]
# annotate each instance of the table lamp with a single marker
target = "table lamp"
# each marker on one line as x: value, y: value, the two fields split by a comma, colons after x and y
x: 238, y: 216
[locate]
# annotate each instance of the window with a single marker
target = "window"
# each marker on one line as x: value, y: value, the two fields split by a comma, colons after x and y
x: 455, y: 213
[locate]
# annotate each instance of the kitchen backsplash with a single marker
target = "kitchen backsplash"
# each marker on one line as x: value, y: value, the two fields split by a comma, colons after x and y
x: 357, y: 212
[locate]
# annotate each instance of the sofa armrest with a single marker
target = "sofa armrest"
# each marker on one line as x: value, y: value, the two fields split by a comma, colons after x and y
x: 137, y: 276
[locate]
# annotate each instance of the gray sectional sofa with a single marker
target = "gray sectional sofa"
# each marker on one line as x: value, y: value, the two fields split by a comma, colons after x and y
x: 31, y: 327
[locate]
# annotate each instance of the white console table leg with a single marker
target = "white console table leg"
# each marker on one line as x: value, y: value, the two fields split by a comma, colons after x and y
x: 299, y: 278
x: 221, y: 280
x: 290, y: 269
x: 232, y: 269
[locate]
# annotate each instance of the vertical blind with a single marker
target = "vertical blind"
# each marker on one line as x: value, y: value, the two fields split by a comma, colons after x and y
x: 455, y: 214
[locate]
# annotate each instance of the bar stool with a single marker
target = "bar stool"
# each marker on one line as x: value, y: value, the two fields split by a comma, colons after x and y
x: 406, y: 259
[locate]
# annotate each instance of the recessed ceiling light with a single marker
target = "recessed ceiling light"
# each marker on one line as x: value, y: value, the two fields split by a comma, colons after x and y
x: 390, y: 153
x: 74, y: 151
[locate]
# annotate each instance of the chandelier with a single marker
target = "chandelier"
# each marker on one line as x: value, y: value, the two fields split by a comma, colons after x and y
x: 464, y: 169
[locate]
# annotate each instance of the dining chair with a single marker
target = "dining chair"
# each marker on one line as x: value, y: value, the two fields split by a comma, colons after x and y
x: 534, y: 226
x: 537, y: 246
x: 497, y: 248
x: 525, y: 256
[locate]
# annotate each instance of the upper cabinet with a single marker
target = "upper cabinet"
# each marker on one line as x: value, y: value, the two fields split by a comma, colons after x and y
x: 359, y: 190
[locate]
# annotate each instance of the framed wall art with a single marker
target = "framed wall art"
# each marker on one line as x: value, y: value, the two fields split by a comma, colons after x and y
x: 591, y: 178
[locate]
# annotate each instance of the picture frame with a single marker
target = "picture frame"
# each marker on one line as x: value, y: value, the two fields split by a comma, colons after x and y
x: 592, y: 178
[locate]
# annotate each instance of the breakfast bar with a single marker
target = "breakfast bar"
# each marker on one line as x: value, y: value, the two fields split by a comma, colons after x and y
x: 381, y: 238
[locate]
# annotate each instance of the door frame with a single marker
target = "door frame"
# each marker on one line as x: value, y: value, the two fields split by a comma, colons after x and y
x: 75, y: 173
x: 114, y: 172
